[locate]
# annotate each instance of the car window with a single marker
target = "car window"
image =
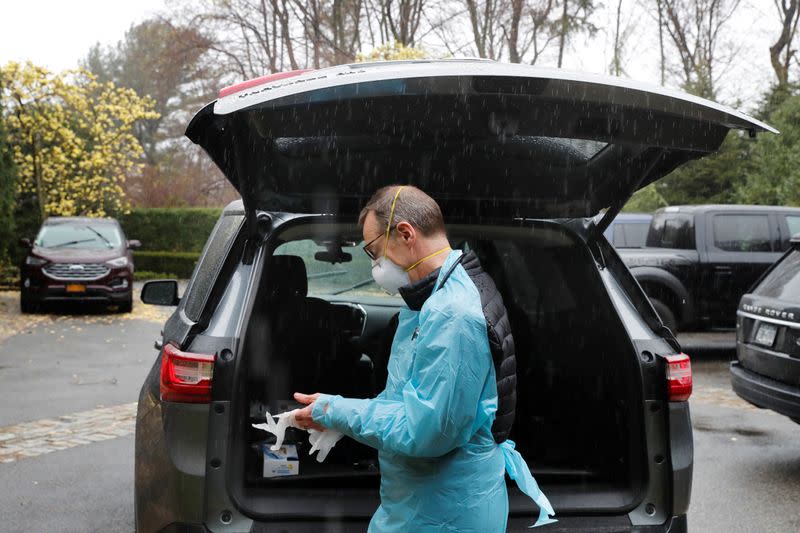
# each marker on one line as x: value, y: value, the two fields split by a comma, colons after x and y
x: 793, y: 222
x: 619, y: 236
x: 671, y: 231
x: 207, y: 268
x: 352, y: 277
x: 79, y: 235
x: 630, y: 234
x: 784, y: 280
x: 742, y: 233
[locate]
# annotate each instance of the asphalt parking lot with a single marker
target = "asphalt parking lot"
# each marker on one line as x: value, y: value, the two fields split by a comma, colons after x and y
x: 69, y: 383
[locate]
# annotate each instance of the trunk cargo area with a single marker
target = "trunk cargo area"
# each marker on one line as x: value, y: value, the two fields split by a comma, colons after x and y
x: 579, y: 421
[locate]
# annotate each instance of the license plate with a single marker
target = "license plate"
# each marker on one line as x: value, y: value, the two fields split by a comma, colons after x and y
x: 75, y: 287
x: 766, y: 334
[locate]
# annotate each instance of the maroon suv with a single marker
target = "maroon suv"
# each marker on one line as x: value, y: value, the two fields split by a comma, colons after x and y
x: 77, y: 259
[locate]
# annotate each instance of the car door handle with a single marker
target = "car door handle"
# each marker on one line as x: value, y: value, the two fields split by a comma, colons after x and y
x: 723, y: 269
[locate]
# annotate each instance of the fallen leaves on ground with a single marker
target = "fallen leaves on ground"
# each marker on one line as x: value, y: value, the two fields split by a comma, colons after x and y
x: 13, y: 322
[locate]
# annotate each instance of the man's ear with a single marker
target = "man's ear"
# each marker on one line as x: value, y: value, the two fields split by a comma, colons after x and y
x: 406, y: 232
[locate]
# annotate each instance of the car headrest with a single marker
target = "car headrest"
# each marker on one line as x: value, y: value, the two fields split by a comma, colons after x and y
x: 286, y: 277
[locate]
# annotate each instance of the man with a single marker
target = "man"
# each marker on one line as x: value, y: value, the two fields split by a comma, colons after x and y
x: 442, y: 468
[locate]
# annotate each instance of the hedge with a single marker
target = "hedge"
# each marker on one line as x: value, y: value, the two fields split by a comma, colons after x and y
x: 147, y: 275
x: 181, y: 264
x: 172, y: 229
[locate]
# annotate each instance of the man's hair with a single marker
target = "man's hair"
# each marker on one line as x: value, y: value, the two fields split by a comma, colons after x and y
x: 412, y: 206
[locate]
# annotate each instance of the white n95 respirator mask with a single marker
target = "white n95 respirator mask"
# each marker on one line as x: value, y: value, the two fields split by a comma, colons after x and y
x: 389, y: 275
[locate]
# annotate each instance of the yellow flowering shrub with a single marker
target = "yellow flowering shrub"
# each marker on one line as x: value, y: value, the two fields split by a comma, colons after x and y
x: 392, y: 52
x: 72, y: 138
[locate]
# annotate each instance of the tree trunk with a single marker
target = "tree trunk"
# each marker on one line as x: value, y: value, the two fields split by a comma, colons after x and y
x: 562, y: 38
x: 789, y: 17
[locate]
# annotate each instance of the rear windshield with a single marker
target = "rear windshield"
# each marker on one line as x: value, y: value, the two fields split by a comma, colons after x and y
x: 94, y: 235
x: 783, y: 282
x: 671, y: 231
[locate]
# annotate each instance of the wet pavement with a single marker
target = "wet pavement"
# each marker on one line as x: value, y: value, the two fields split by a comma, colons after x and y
x: 747, y: 460
x: 70, y: 381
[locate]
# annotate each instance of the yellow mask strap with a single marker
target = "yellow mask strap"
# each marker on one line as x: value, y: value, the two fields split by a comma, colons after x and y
x: 391, y: 218
x: 434, y: 254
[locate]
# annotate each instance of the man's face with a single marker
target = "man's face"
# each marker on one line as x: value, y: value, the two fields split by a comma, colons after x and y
x: 399, y: 246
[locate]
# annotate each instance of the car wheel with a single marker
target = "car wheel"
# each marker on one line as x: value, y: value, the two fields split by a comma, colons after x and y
x: 666, y: 314
x: 126, y: 306
x: 27, y: 304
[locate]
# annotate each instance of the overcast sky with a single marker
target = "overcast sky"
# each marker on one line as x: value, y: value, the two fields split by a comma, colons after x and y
x: 57, y: 33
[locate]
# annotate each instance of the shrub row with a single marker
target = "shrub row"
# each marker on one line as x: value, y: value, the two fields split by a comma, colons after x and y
x: 173, y: 229
x: 180, y: 264
x: 146, y: 275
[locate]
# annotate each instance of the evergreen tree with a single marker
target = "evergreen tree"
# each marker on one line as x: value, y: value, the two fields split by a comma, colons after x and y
x: 8, y: 182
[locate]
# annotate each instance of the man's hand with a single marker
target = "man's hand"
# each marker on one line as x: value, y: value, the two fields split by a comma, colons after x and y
x: 303, y: 416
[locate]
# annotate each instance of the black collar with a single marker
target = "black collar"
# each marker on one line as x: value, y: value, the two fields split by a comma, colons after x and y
x: 415, y: 294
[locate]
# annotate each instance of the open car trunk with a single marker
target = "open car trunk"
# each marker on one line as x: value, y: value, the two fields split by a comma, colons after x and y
x: 579, y: 410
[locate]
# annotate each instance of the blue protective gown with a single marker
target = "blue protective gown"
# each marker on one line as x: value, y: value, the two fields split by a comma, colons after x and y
x: 441, y: 469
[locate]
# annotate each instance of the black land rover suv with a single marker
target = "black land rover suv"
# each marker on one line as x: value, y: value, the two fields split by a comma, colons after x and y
x: 766, y: 372
x: 520, y: 159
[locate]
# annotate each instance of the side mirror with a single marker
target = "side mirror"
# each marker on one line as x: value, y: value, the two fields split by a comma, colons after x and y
x: 133, y: 243
x: 25, y: 242
x: 160, y: 292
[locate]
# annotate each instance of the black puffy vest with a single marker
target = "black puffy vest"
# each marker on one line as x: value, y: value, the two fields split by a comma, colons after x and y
x: 501, y: 342
x: 498, y: 328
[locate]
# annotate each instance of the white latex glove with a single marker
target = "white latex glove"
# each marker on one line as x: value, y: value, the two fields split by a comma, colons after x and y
x: 285, y: 420
x: 323, y: 442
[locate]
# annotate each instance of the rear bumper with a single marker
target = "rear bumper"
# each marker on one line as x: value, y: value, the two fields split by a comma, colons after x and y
x: 591, y: 524
x: 676, y: 524
x: 765, y: 392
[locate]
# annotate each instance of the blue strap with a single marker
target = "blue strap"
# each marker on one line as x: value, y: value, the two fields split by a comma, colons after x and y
x: 518, y: 471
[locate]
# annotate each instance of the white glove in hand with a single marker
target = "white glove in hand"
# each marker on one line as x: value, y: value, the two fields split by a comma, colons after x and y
x: 285, y: 420
x: 323, y: 442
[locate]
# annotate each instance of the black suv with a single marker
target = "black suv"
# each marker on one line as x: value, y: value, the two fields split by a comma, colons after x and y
x: 699, y: 260
x: 520, y: 159
x: 766, y: 372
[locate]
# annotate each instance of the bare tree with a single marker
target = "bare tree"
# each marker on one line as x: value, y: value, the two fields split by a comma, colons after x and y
x: 694, y: 28
x: 662, y: 55
x: 485, y: 21
x: 398, y: 20
x: 529, y: 29
x: 623, y: 28
x: 522, y: 30
x: 575, y: 18
x: 781, y: 53
x: 333, y: 27
x: 245, y: 34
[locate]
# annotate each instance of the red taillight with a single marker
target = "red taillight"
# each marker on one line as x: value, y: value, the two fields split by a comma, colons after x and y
x: 186, y: 377
x: 679, y: 377
x: 235, y: 88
